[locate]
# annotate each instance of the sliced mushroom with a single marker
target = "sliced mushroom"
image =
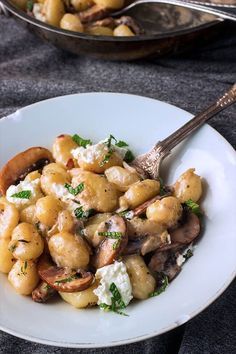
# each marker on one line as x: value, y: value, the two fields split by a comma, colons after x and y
x: 43, y: 292
x: 157, y: 262
x: 165, y: 263
x: 187, y: 232
x: 20, y: 165
x: 63, y: 278
x: 143, y: 207
x: 111, y: 248
x: 66, y: 280
x: 147, y: 244
x: 94, y: 13
x: 153, y: 242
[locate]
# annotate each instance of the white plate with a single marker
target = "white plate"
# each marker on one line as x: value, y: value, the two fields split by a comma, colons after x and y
x: 141, y: 122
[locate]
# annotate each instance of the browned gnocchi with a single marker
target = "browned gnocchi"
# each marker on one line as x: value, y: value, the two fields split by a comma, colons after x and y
x: 86, y: 225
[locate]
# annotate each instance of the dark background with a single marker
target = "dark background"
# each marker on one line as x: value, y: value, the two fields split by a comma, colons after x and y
x: 31, y: 70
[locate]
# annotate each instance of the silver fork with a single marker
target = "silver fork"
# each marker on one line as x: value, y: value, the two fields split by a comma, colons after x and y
x: 148, y: 165
x: 194, y: 5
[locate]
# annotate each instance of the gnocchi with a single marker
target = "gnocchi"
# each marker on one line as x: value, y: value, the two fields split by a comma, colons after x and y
x: 98, y: 193
x: 166, y: 211
x: 24, y: 277
x: 64, y: 144
x: 47, y: 210
x: 9, y: 217
x: 143, y: 283
x: 139, y: 193
x: 68, y: 250
x: 188, y: 186
x: 81, y: 299
x: 26, y: 243
x: 6, y: 258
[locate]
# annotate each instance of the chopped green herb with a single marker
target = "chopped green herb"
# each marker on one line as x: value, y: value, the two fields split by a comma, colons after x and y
x: 128, y: 214
x: 105, y: 307
x: 30, y: 5
x: 109, y: 140
x: 113, y: 235
x: 162, y: 288
x: 188, y: 254
x: 47, y: 287
x: 80, y: 213
x: 80, y: 141
x: 117, y: 304
x: 106, y: 157
x: 23, y: 268
x: 13, y: 247
x: 121, y: 144
x: 67, y: 280
x: 75, y: 190
x: 22, y: 195
x: 194, y: 207
x: 129, y: 156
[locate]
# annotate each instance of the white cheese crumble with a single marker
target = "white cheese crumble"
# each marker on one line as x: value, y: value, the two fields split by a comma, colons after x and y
x: 32, y: 186
x: 181, y: 259
x: 94, y: 152
x: 60, y: 192
x: 114, y: 273
x: 38, y: 12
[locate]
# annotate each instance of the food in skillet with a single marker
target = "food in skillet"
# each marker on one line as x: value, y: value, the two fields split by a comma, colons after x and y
x: 88, y: 16
x: 81, y: 222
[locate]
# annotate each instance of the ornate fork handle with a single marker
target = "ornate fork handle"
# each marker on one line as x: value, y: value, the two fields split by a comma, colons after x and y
x: 149, y: 163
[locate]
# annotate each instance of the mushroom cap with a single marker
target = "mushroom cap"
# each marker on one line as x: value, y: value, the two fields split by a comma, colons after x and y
x: 66, y: 280
x: 110, y: 248
x: 21, y: 164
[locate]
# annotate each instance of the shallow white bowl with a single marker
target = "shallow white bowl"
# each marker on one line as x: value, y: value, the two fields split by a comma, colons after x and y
x: 141, y: 122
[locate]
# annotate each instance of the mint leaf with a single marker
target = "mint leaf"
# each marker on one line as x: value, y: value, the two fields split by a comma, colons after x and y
x: 162, y: 288
x: 194, y: 207
x: 121, y: 144
x: 22, y: 195
x: 80, y: 141
x: 75, y: 190
x: 80, y: 213
x: 129, y: 156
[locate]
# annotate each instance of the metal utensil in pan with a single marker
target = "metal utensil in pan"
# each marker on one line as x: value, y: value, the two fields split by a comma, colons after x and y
x: 178, y: 28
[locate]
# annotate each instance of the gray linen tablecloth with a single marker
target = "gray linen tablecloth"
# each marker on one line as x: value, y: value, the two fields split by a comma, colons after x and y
x: 31, y: 70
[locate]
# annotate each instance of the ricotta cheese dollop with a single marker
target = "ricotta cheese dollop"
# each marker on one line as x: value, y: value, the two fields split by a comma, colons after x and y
x: 32, y: 186
x: 115, y: 273
x: 94, y: 152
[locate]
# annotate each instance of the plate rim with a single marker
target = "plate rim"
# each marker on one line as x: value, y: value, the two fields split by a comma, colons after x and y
x: 87, y: 345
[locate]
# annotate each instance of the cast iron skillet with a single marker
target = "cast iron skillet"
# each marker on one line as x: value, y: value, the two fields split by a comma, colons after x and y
x: 178, y: 29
